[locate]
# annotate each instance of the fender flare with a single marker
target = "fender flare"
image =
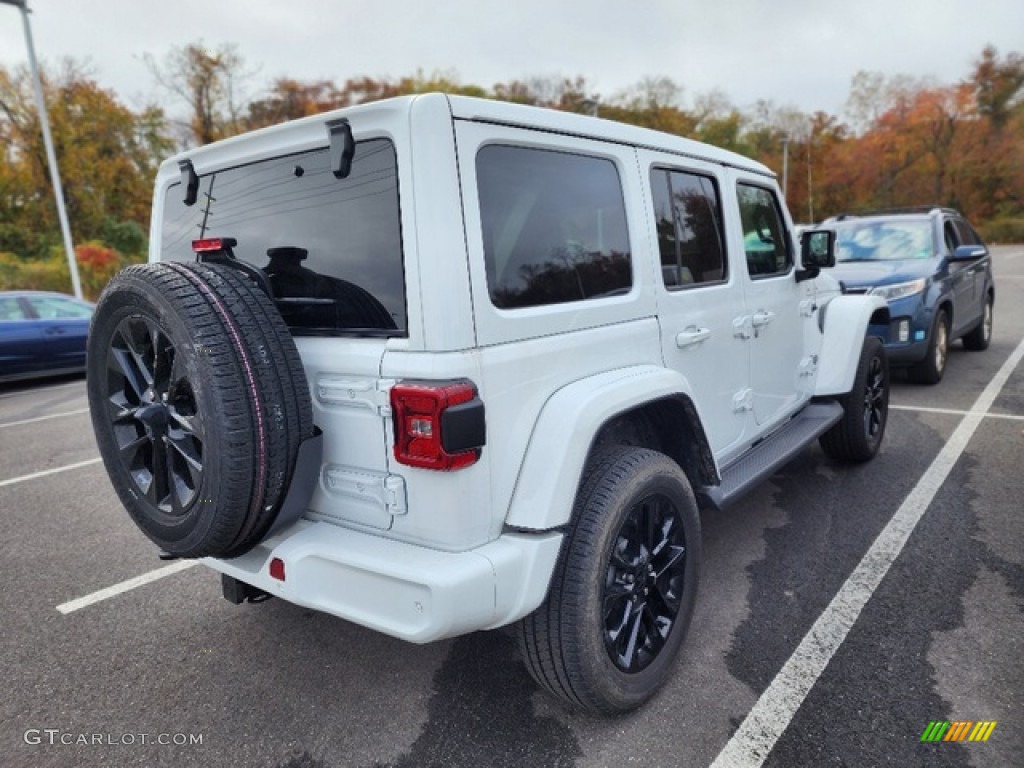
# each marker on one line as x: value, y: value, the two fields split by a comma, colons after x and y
x: 845, y: 322
x: 545, y: 489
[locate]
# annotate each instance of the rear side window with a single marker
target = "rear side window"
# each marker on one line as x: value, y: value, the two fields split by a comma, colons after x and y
x: 10, y: 309
x: 689, y: 221
x: 965, y: 233
x: 331, y: 248
x: 764, y: 232
x: 554, y: 227
x: 55, y: 307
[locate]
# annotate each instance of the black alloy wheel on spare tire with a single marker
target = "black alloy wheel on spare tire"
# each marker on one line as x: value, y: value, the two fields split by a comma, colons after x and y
x: 199, y: 403
x: 622, y: 594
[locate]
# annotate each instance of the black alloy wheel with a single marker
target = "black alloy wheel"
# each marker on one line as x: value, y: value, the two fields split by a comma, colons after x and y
x: 876, y: 398
x: 857, y: 436
x: 645, y: 583
x: 607, y: 636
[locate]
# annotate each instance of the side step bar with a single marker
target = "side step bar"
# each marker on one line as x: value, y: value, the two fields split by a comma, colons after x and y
x: 777, y: 449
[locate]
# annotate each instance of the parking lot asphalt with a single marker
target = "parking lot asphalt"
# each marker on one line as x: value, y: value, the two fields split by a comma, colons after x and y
x: 939, y: 636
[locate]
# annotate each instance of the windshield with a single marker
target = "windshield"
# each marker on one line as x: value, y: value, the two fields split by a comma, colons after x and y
x: 883, y: 240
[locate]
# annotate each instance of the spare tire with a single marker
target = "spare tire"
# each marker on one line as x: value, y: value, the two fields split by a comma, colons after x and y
x: 199, y: 403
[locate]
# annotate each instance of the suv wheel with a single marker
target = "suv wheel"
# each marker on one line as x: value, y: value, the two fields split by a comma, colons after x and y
x: 199, y: 403
x: 979, y: 338
x: 858, y: 434
x: 930, y: 370
x: 622, y: 594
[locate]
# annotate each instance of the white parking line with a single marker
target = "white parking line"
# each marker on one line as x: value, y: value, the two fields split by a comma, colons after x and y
x: 124, y: 586
x: 44, y: 418
x: 750, y: 746
x: 46, y: 472
x: 951, y: 412
x: 37, y: 390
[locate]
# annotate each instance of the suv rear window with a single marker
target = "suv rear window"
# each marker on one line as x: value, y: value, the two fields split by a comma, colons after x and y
x: 554, y: 226
x: 332, y: 248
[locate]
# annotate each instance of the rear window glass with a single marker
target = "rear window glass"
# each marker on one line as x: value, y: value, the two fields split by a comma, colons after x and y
x: 331, y: 248
x: 554, y: 227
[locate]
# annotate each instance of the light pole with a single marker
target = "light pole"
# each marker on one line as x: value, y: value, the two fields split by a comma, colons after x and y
x: 51, y: 157
x: 785, y: 167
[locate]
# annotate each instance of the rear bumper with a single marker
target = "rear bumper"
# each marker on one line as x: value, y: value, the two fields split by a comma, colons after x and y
x: 411, y: 592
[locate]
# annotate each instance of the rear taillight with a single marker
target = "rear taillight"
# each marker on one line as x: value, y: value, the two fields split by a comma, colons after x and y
x: 438, y: 425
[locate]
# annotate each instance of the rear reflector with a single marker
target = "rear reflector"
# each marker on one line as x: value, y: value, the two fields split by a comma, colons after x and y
x: 277, y: 569
x: 438, y: 425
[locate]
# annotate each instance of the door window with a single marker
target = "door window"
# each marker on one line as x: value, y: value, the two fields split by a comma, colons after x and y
x: 764, y: 232
x: 689, y: 221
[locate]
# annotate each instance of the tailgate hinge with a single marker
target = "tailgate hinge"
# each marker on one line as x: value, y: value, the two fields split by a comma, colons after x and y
x: 743, y: 401
x: 374, y: 394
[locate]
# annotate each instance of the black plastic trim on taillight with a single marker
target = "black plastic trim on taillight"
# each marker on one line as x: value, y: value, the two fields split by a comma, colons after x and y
x: 463, y: 426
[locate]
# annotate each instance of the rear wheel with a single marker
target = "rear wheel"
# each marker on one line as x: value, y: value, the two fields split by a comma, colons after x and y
x: 931, y: 369
x: 979, y: 338
x: 857, y: 436
x: 623, y: 591
x: 199, y: 403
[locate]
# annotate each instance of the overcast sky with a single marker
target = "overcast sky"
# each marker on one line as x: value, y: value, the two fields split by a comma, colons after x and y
x: 800, y: 53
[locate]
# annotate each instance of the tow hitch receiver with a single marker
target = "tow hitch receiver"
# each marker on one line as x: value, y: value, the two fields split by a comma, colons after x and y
x: 239, y: 592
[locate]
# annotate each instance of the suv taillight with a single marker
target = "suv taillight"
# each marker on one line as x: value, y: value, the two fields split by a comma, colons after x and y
x: 438, y: 424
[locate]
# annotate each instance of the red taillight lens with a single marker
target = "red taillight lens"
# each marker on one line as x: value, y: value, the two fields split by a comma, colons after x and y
x: 438, y: 425
x: 208, y: 245
x: 277, y: 569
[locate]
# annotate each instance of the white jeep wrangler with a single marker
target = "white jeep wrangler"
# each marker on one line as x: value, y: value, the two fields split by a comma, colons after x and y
x: 440, y: 364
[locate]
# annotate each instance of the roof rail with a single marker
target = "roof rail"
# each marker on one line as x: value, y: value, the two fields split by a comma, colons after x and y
x: 926, y: 209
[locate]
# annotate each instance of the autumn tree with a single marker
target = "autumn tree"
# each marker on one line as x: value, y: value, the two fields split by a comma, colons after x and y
x: 209, y: 81
x: 107, y: 156
x: 999, y: 85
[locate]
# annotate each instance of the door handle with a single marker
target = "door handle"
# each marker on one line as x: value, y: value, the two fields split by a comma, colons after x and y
x: 58, y: 331
x: 762, y: 318
x: 692, y: 335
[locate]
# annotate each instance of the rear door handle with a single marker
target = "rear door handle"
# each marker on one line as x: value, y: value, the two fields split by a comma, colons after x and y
x: 762, y: 318
x: 692, y: 335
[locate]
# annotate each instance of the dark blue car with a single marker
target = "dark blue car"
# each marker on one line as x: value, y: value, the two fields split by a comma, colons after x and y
x: 935, y: 272
x: 41, y: 334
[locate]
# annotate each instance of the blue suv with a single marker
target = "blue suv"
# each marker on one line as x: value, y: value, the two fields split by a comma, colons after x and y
x: 935, y: 272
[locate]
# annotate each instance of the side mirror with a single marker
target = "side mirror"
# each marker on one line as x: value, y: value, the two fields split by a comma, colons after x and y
x: 818, y: 248
x: 969, y: 252
x: 817, y: 252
